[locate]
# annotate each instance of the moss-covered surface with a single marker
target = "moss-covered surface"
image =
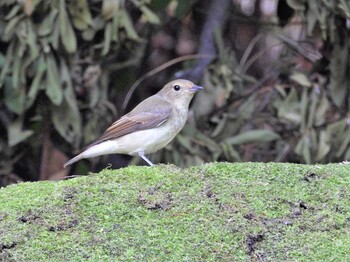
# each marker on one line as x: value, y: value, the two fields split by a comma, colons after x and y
x: 220, y: 211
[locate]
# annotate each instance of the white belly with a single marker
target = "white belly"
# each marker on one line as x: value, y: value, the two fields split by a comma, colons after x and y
x: 148, y: 141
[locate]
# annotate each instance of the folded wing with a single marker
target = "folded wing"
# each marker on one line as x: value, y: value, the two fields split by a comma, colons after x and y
x: 151, y: 113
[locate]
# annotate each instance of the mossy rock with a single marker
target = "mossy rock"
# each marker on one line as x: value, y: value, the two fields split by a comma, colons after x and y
x: 214, y: 212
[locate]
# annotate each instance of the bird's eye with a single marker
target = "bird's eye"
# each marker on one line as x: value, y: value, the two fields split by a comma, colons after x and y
x: 176, y: 87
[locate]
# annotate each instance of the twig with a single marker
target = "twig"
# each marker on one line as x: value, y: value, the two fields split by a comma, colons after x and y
x: 157, y: 70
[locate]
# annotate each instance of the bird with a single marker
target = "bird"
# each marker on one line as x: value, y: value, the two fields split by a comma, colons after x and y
x: 150, y: 126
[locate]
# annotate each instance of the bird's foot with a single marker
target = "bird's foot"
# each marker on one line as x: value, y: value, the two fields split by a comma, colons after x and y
x: 142, y: 155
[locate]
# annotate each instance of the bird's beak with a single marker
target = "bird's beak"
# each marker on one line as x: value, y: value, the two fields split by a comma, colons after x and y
x: 195, y: 88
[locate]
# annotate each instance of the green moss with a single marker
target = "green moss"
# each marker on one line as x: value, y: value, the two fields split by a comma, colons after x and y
x: 219, y: 211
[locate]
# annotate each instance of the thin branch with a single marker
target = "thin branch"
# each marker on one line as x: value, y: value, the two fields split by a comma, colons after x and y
x: 157, y: 70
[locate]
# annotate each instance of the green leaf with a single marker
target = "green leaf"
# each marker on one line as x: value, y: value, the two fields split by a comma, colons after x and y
x: 66, y: 117
x: 252, y: 136
x: 230, y: 152
x: 323, y: 145
x: 340, y: 73
x: 220, y: 125
x: 321, y: 110
x: 344, y: 6
x: 53, y: 82
x: 347, y: 155
x: 312, y: 108
x: 13, y: 12
x: 109, y: 8
x: 338, y: 132
x: 345, y: 138
x: 88, y: 34
x: 301, y: 79
x: 289, y: 108
x: 206, y: 141
x: 303, y: 148
x: 81, y: 16
x: 8, y: 62
x: 312, y: 14
x: 12, y: 27
x: 185, y: 142
x: 91, y: 74
x: 2, y: 60
x: 304, y: 108
x: 126, y: 22
x: 31, y: 41
x: 46, y: 27
x: 280, y: 89
x: 55, y: 37
x: 16, y: 68
x: 150, y: 16
x: 115, y: 28
x: 16, y: 134
x: 67, y: 34
x: 107, y: 38
x: 148, y: 13
x: 37, y: 81
x: 14, y: 97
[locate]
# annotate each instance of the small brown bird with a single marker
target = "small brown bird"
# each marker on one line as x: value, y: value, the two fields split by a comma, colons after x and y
x: 150, y: 126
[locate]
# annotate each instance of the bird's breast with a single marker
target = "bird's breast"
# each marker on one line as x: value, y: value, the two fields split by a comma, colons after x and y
x: 151, y: 140
x: 178, y: 118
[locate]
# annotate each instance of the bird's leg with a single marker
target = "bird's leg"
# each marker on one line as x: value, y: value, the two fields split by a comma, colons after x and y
x: 142, y: 155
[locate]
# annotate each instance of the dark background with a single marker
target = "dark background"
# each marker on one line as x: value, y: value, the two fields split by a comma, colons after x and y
x: 275, y: 73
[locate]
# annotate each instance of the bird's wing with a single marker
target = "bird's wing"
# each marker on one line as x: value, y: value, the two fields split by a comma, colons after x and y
x: 152, y: 112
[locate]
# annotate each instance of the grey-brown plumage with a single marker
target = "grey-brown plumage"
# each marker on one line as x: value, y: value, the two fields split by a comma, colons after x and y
x: 149, y: 126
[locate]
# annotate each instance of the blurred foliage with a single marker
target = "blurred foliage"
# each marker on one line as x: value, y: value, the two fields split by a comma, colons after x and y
x: 51, y: 80
x: 299, y: 111
x: 58, y: 60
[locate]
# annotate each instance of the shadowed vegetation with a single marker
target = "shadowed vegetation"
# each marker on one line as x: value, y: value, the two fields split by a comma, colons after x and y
x: 276, y: 78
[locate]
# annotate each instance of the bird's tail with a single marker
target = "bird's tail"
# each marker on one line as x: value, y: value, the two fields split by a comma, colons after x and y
x: 73, y: 160
x: 105, y: 148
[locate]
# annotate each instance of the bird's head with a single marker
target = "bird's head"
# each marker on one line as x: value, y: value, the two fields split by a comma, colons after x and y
x: 179, y: 92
